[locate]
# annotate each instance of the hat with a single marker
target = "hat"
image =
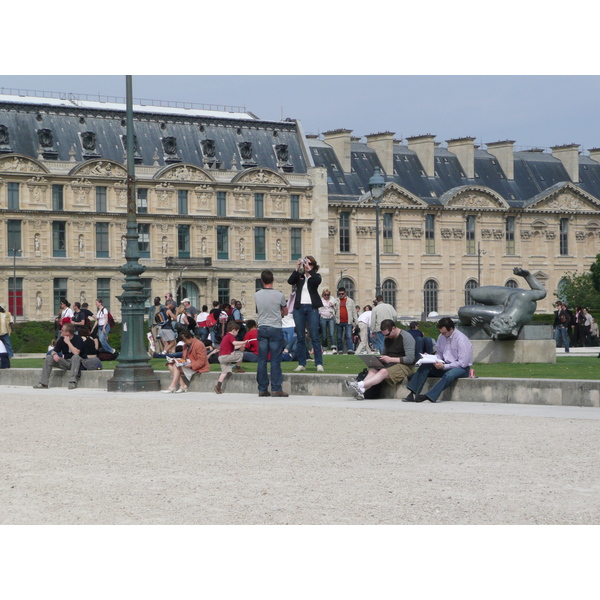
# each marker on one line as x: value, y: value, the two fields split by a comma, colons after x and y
x: 186, y: 300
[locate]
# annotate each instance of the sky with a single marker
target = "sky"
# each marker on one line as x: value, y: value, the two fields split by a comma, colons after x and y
x: 532, y: 110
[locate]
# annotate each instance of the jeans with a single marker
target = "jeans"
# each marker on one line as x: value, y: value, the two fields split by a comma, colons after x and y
x: 447, y: 379
x: 270, y: 340
x: 378, y: 343
x: 305, y: 316
x: 345, y: 329
x: 289, y: 333
x: 327, y: 332
x: 250, y: 356
x: 7, y: 343
x: 562, y: 332
x: 202, y: 333
x: 103, y: 338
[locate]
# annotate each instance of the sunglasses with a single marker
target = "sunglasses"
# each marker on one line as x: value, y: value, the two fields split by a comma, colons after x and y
x: 327, y: 295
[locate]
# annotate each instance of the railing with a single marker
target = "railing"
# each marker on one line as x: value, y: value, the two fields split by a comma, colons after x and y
x: 104, y: 99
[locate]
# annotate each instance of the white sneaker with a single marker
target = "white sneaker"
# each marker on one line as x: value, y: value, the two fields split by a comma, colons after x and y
x: 300, y: 368
x: 320, y: 369
x: 355, y: 390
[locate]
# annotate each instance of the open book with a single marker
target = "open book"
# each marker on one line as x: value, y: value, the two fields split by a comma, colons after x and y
x: 177, y: 361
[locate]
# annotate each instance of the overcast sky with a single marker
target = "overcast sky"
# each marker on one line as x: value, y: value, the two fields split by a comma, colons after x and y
x: 532, y: 110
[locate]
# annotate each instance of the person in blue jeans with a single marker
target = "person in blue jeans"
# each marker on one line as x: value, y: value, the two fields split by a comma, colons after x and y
x: 307, y: 280
x: 454, y: 356
x: 271, y: 306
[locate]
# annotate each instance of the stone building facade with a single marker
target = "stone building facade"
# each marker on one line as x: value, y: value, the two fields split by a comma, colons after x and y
x: 219, y: 196
x: 222, y: 195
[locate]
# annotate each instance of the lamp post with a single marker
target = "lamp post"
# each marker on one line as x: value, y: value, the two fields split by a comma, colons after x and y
x: 479, y: 253
x: 14, y: 308
x: 180, y: 290
x: 133, y: 372
x: 377, y: 185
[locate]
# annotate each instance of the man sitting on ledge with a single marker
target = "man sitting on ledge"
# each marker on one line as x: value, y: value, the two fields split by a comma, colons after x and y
x: 454, y: 357
x: 66, y: 355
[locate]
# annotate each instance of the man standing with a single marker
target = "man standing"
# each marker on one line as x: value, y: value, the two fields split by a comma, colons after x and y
x: 454, y: 357
x: 561, y: 325
x: 271, y: 306
x: 381, y: 312
x: 191, y: 312
x: 344, y: 311
x: 72, y: 349
x: 398, y: 356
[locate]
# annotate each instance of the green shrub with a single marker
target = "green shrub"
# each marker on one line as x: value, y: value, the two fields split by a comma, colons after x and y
x: 35, y: 336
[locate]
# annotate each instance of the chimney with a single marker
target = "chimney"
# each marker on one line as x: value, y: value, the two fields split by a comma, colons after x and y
x: 464, y: 149
x: 383, y: 144
x: 504, y: 154
x: 568, y: 154
x: 595, y: 154
x: 423, y: 146
x: 339, y: 140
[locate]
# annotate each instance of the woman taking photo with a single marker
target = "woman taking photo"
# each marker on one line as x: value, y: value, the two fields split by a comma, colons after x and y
x: 306, y: 310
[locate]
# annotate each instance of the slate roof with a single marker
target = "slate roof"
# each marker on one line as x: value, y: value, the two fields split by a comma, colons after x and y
x: 23, y: 120
x: 534, y: 172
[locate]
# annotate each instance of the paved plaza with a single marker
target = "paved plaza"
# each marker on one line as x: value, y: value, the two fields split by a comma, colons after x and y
x: 94, y: 457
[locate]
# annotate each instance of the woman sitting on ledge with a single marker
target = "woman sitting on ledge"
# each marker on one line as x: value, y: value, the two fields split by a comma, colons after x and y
x: 193, y: 360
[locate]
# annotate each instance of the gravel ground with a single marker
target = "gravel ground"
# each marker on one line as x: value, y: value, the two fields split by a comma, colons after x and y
x: 92, y: 457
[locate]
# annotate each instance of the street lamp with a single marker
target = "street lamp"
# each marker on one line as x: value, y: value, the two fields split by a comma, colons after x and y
x: 377, y: 185
x: 14, y: 310
x: 133, y: 372
x: 180, y: 290
x: 479, y: 253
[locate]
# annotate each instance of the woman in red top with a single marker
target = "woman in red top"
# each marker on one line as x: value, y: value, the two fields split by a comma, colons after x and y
x: 193, y: 360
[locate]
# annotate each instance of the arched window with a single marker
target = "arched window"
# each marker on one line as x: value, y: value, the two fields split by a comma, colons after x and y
x: 348, y: 284
x: 430, y: 296
x: 560, y: 290
x: 511, y: 283
x: 470, y: 285
x: 388, y: 291
x: 188, y: 290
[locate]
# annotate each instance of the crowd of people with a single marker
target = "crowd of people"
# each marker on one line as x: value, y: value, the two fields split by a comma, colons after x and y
x: 301, y: 326
x: 574, y: 328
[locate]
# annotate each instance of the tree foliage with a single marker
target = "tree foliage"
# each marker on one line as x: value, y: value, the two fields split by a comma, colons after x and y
x: 578, y: 289
x: 595, y: 273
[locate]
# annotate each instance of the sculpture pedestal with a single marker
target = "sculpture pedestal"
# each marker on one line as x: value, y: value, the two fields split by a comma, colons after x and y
x: 534, y: 345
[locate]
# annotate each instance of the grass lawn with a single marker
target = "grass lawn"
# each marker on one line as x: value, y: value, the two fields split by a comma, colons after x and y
x: 580, y: 367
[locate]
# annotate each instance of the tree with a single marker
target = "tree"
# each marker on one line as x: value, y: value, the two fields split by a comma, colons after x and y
x: 578, y: 289
x: 595, y: 273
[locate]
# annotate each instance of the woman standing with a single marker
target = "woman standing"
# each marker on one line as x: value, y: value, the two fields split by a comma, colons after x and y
x: 194, y: 360
x: 306, y: 310
x: 327, y: 321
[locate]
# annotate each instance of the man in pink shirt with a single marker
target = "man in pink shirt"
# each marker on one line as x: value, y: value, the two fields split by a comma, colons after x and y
x: 454, y: 357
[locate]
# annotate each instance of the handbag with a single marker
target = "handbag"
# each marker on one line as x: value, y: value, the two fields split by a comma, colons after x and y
x: 291, y: 301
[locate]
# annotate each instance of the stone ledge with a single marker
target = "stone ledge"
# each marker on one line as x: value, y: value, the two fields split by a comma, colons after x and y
x: 555, y: 392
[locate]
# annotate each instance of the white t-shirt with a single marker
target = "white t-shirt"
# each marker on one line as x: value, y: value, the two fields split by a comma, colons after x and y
x: 102, y: 317
x: 365, y: 317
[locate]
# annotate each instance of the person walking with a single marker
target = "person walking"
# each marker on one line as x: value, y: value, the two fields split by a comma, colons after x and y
x: 345, y: 319
x: 381, y: 311
x: 271, y: 306
x: 102, y: 328
x: 307, y: 280
x: 327, y: 322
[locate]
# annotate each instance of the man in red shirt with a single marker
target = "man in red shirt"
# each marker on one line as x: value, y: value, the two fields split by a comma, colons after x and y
x: 230, y: 353
x: 251, y: 339
x: 345, y: 319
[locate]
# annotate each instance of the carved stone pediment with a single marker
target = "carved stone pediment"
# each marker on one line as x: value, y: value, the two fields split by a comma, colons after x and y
x: 566, y: 202
x: 472, y: 200
x: 20, y: 164
x: 261, y: 177
x: 164, y: 193
x: 184, y: 172
x: 100, y: 168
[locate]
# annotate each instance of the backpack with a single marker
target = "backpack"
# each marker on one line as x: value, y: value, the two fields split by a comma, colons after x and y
x: 211, y: 321
x: 111, y: 320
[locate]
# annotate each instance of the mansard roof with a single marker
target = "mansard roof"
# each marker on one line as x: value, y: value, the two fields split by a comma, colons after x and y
x: 80, y: 131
